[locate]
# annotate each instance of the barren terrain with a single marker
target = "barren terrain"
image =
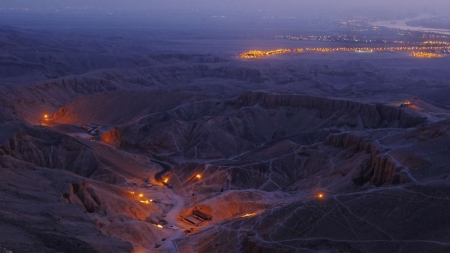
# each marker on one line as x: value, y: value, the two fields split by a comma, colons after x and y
x: 111, y: 144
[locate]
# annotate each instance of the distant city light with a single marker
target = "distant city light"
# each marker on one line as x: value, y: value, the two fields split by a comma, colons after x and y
x: 255, y: 54
x: 426, y: 55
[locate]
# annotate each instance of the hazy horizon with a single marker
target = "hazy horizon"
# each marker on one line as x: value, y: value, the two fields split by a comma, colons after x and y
x: 290, y: 5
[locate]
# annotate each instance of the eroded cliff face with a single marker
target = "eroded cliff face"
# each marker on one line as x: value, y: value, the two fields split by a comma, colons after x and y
x: 379, y: 168
x: 344, y: 161
x: 112, y: 137
x: 73, y: 181
x: 272, y: 142
x: 49, y: 149
x: 85, y: 194
x: 214, y: 130
x: 47, y: 96
x: 9, y: 139
x: 43, y: 147
x: 370, y: 115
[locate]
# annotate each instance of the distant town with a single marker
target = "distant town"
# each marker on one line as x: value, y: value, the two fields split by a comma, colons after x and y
x: 429, y: 49
x: 362, y: 36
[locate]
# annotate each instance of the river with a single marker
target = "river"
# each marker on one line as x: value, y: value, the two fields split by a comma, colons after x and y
x: 401, y: 24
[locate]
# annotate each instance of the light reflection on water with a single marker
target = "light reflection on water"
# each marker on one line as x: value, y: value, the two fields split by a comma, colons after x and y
x: 401, y: 24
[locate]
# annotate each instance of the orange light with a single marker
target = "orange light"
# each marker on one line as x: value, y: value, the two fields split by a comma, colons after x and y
x: 45, y: 116
x: 166, y: 180
x: 131, y: 192
x: 320, y: 196
x: 255, y: 54
x: 198, y: 176
x: 159, y: 226
x: 141, y: 195
x: 426, y: 55
x: 248, y: 215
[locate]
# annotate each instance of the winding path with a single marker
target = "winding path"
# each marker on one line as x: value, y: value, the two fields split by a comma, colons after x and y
x: 173, y: 222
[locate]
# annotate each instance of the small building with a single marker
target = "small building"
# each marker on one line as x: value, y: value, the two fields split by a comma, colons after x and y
x: 197, y: 217
x: 192, y: 220
x: 201, y: 215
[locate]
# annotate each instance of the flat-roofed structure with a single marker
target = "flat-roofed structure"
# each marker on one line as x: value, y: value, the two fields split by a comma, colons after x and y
x: 201, y: 215
x: 192, y: 220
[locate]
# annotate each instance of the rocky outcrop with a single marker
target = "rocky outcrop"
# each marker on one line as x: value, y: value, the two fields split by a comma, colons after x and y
x: 9, y: 137
x: 3, y: 250
x: 378, y: 169
x: 86, y: 195
x: 112, y: 137
x: 371, y: 115
x: 45, y: 148
x: 65, y: 153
